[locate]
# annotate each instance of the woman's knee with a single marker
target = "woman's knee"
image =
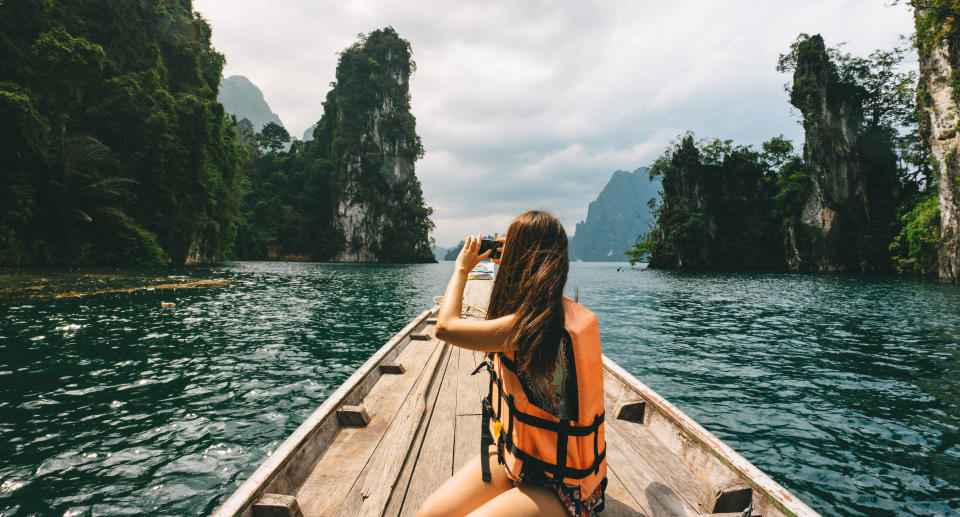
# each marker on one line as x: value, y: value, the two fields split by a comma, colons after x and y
x: 432, y: 507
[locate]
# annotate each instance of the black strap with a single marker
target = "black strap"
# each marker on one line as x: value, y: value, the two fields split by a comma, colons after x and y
x: 485, y: 442
x: 559, y: 473
x: 562, y: 444
x: 603, y: 496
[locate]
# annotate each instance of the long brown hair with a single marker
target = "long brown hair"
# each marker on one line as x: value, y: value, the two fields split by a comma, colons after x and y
x: 529, y: 283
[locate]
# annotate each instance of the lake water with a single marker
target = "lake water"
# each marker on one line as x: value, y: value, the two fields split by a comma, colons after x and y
x: 845, y: 389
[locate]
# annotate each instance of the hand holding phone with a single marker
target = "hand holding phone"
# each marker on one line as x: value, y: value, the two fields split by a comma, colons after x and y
x: 487, y: 244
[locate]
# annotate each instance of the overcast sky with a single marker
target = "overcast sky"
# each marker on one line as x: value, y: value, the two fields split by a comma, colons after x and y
x: 530, y: 104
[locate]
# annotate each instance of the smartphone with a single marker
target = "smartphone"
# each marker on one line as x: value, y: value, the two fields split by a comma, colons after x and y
x: 486, y: 244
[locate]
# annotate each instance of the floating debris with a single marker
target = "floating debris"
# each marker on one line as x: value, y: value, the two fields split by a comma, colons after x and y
x: 17, y: 287
x: 167, y: 305
x: 195, y: 284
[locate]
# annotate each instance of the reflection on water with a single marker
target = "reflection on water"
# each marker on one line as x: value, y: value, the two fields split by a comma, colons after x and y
x: 844, y: 389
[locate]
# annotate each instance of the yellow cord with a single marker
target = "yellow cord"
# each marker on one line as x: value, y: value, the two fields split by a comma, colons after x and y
x: 482, y: 313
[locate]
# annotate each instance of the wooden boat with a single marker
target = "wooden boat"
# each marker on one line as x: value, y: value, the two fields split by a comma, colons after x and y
x: 410, y: 416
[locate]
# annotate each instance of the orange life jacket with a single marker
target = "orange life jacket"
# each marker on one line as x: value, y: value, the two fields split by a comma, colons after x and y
x: 531, y: 441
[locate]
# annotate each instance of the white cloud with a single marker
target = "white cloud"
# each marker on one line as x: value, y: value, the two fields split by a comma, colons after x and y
x: 534, y: 104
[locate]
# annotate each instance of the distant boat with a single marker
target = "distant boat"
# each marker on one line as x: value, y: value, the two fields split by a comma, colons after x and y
x: 410, y: 416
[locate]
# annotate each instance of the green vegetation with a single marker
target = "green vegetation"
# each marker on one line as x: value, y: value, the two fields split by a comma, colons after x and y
x: 916, y: 247
x: 362, y: 154
x: 936, y: 24
x: 731, y: 207
x: 115, y: 149
x: 722, y: 206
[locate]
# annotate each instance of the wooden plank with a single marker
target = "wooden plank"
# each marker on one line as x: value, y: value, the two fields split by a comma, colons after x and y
x: 308, y: 441
x: 277, y: 505
x: 466, y: 442
x: 392, y: 367
x: 683, y: 482
x: 383, y: 469
x: 636, y: 436
x: 618, y: 501
x: 668, y: 465
x: 337, y: 469
x: 471, y: 388
x: 353, y: 416
x: 434, y: 463
x: 473, y: 296
x: 649, y: 489
x: 395, y: 502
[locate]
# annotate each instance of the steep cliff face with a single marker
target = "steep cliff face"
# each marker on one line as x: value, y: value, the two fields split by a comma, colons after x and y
x: 938, y: 42
x: 615, y: 219
x: 850, y: 172
x: 370, y: 136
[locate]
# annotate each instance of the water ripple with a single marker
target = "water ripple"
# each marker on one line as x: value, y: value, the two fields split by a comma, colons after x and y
x: 844, y: 389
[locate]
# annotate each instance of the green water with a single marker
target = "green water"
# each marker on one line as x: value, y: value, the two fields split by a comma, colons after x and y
x: 844, y: 389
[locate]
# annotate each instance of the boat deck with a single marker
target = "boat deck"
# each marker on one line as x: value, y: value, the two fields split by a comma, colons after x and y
x: 410, y: 417
x: 353, y: 476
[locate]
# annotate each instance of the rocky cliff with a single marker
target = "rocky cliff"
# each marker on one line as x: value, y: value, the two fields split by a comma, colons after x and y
x: 615, y: 219
x: 938, y: 45
x: 369, y: 134
x: 242, y: 98
x: 850, y: 171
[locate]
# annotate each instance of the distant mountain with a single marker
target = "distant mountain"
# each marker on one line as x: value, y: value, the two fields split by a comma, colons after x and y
x: 308, y: 134
x: 242, y: 98
x: 619, y: 214
x: 439, y: 252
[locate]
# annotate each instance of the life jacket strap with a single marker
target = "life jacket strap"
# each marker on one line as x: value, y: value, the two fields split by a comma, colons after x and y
x: 486, y: 440
x: 563, y: 429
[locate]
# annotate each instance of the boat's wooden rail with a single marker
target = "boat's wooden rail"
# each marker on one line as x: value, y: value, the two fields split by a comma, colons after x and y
x: 285, y: 470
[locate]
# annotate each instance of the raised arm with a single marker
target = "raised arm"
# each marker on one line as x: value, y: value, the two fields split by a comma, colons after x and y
x: 482, y: 335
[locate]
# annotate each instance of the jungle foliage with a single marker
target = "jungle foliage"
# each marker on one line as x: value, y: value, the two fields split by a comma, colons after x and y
x: 734, y: 207
x: 294, y: 196
x: 724, y: 206
x: 115, y: 149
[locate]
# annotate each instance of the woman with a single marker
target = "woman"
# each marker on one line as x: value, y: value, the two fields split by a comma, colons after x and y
x: 543, y: 451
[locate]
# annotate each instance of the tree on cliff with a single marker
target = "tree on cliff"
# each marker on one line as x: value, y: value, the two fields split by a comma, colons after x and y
x: 937, y: 41
x: 351, y: 193
x: 885, y: 93
x: 369, y: 135
x: 836, y: 209
x: 273, y: 136
x: 135, y: 85
x: 718, y: 206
